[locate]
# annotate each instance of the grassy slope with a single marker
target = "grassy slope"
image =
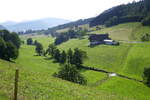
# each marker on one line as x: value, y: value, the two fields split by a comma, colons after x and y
x: 127, y: 31
x: 127, y: 59
x: 37, y: 83
x: 102, y: 56
x: 42, y: 85
x: 138, y: 58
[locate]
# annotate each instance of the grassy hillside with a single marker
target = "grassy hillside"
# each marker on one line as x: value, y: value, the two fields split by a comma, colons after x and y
x: 127, y: 31
x: 137, y: 59
x: 36, y: 81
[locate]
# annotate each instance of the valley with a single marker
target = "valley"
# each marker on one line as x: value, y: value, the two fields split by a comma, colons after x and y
x: 36, y: 80
x: 75, y: 50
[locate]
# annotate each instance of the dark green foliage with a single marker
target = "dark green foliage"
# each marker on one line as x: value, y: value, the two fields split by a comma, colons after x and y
x: 51, y: 50
x: 124, y: 13
x: 146, y: 76
x: 11, y: 52
x: 112, y: 21
x: 5, y: 35
x: 78, y: 57
x: 63, y: 57
x: 75, y: 57
x: 15, y: 40
x: 70, y: 56
x: 44, y: 53
x: 147, y: 4
x: 81, y: 32
x: 39, y: 49
x: 22, y: 42
x: 9, y: 45
x: 72, y: 33
x: 115, y: 20
x: 29, y: 41
x: 56, y: 55
x: 145, y: 37
x: 69, y: 72
x: 11, y: 37
x: 61, y: 38
x: 146, y: 21
x: 35, y: 42
x: 98, y: 28
x: 2, y: 48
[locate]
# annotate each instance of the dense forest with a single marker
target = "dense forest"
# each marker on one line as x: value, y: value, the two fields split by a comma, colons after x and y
x: 132, y: 12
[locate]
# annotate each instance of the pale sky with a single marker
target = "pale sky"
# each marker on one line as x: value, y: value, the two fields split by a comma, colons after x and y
x: 20, y: 10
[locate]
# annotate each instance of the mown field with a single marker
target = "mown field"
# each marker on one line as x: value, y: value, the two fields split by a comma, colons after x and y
x: 37, y: 83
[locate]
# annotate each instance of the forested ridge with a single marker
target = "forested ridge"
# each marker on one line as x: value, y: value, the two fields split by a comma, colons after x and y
x: 132, y: 12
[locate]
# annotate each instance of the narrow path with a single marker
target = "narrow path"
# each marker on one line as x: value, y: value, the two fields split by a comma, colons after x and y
x: 107, y: 72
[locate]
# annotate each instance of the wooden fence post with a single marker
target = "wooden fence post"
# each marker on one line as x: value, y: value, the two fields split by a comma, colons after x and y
x: 16, y: 84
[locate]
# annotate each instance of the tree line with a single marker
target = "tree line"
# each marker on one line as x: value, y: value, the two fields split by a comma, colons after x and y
x: 9, y: 45
x: 70, y: 61
x: 78, y: 32
x: 132, y: 12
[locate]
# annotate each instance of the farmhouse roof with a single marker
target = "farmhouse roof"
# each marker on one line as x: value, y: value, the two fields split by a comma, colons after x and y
x: 98, y: 37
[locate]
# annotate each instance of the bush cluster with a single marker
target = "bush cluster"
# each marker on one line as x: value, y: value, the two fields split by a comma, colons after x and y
x: 9, y: 45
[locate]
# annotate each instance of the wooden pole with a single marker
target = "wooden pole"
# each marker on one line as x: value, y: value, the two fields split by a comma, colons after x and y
x: 16, y: 84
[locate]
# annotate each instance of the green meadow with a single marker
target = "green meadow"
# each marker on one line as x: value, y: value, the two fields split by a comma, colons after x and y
x: 37, y: 83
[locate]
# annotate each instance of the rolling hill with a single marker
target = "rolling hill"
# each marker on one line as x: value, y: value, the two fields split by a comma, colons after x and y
x: 132, y: 12
x: 34, y: 24
x: 36, y: 80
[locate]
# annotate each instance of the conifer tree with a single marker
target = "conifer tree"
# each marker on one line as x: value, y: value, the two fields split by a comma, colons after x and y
x: 63, y: 57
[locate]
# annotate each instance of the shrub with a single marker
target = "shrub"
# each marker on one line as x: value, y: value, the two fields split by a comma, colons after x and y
x: 2, y: 48
x: 146, y: 76
x: 63, y: 57
x: 29, y: 41
x: 69, y: 72
x: 145, y: 37
x: 11, y: 52
x: 39, y: 49
x: 146, y: 21
x: 9, y: 45
x: 51, y: 50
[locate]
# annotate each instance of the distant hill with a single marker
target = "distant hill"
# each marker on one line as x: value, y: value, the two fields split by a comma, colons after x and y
x: 68, y: 25
x: 132, y: 12
x: 2, y: 27
x: 8, y: 23
x: 35, y: 24
x: 72, y: 24
x: 53, y: 30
